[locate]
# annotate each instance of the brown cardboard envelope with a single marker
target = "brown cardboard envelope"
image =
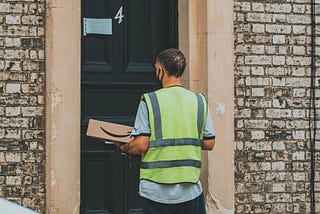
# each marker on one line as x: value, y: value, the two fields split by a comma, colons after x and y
x: 109, y: 131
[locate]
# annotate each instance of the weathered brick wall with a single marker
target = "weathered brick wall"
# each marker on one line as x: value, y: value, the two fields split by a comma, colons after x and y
x: 22, y: 96
x: 272, y: 82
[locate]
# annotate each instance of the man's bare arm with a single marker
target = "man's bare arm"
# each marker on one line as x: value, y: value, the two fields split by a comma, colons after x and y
x: 208, y: 144
x: 137, y: 146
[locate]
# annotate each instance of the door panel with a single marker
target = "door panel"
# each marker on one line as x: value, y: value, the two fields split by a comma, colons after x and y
x: 150, y: 28
x: 100, y: 101
x: 100, y: 52
x: 139, y: 46
x: 116, y: 70
x: 102, y: 163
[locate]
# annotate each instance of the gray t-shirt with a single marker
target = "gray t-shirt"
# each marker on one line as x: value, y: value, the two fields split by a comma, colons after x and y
x: 167, y: 193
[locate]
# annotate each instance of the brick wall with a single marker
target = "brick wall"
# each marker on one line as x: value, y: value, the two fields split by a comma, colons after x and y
x: 272, y: 82
x: 22, y: 122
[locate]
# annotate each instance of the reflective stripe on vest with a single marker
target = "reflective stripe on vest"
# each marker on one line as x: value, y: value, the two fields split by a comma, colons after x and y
x: 175, y: 142
x: 166, y: 164
x: 173, y: 160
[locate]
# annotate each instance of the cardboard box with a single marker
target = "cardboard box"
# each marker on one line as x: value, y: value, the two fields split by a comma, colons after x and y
x: 109, y: 131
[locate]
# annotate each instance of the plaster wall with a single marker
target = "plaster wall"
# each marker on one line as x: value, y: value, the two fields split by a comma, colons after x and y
x: 220, y: 98
x: 210, y: 55
x: 63, y: 106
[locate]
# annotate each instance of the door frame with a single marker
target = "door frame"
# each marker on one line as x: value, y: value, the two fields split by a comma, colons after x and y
x: 207, y: 34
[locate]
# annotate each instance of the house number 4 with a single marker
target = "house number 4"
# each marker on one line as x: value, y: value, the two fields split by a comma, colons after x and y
x: 119, y: 15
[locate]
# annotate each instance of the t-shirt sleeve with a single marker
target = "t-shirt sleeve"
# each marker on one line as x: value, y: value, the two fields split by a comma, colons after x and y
x: 141, y: 123
x: 208, y: 132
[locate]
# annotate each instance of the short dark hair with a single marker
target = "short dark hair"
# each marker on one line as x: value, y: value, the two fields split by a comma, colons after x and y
x: 173, y: 61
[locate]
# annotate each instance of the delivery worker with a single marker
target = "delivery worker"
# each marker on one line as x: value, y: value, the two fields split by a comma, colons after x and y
x: 171, y: 128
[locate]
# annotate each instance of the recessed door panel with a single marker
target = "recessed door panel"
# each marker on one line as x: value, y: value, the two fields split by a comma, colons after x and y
x: 98, y: 185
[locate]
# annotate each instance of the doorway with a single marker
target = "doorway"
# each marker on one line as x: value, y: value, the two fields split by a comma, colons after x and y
x: 117, y: 67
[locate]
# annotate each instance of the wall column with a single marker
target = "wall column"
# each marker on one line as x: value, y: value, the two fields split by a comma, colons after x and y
x: 210, y: 56
x: 220, y: 98
x: 63, y: 33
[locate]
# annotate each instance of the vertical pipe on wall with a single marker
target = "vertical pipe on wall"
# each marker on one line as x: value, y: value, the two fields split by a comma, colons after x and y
x: 312, y: 107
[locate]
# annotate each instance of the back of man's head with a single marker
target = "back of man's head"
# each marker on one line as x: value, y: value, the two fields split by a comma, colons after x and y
x: 173, y: 61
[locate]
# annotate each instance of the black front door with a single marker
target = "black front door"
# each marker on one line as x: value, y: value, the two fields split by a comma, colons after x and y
x: 117, y: 67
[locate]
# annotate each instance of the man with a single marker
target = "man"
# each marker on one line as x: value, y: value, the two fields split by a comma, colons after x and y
x: 172, y: 126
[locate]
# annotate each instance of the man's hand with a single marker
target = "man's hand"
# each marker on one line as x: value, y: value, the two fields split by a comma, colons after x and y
x: 137, y: 146
x: 118, y: 144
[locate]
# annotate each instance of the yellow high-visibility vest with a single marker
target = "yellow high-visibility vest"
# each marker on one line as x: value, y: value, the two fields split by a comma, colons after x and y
x: 177, y: 118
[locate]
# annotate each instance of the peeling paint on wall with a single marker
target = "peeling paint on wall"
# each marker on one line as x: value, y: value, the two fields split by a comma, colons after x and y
x: 221, y: 108
x: 53, y: 133
x: 76, y: 209
x: 214, y: 206
x: 56, y: 98
x: 53, y: 180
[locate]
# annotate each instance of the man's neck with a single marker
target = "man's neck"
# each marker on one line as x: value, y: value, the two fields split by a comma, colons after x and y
x: 171, y: 81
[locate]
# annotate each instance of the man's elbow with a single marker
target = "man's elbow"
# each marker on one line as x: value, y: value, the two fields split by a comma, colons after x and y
x: 140, y: 144
x: 211, y: 146
x: 208, y: 144
x: 142, y: 149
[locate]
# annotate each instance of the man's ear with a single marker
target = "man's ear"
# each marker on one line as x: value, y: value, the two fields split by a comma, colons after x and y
x: 158, y: 71
x: 162, y: 69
